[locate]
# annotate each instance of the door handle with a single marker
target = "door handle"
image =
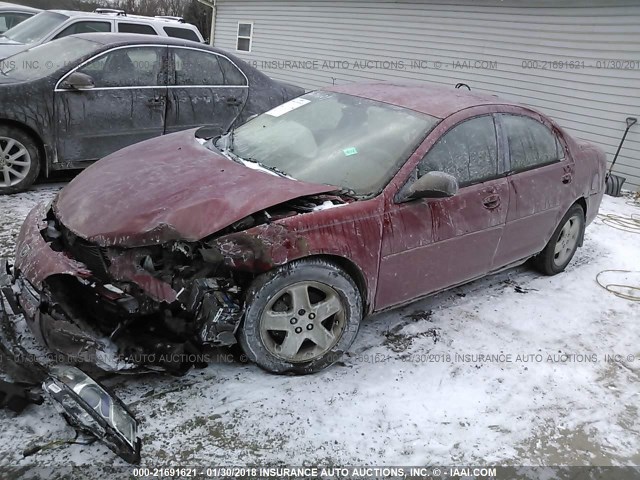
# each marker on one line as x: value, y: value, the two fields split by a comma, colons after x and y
x: 566, y: 178
x: 233, y: 102
x: 492, y: 201
x: 155, y: 101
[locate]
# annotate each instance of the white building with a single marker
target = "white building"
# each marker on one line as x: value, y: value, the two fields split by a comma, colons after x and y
x: 578, y: 61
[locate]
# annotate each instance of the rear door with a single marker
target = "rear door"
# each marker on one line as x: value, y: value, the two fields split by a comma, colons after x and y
x: 126, y: 106
x: 431, y: 244
x: 205, y: 88
x: 539, y: 184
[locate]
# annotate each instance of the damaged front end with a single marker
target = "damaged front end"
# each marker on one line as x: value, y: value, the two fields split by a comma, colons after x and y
x: 86, y: 405
x: 154, y: 307
x: 157, y: 306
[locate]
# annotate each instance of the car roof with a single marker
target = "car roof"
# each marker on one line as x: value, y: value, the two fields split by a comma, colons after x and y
x: 120, y: 39
x: 436, y: 100
x: 125, y: 17
x: 18, y: 8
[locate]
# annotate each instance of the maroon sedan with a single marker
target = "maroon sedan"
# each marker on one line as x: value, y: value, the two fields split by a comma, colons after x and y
x: 284, y: 233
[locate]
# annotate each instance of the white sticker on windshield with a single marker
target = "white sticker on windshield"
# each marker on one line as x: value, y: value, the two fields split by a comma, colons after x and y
x: 288, y: 107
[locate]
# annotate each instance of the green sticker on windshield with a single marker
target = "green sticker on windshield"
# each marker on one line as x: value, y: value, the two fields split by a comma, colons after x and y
x: 350, y: 151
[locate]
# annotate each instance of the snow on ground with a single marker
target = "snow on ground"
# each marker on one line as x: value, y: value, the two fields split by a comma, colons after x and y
x: 413, y: 390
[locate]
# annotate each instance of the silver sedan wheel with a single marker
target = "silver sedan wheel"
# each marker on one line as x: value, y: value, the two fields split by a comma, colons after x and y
x: 303, y: 321
x: 15, y: 162
x: 567, y: 241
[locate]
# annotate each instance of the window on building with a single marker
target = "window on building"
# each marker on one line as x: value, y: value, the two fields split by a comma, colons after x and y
x: 468, y: 151
x: 531, y: 143
x: 136, y: 28
x: 85, y: 27
x: 184, y: 33
x: 245, y: 35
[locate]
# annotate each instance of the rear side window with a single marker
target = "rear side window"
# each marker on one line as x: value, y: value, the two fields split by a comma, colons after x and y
x: 531, y: 143
x: 136, y: 28
x: 232, y: 76
x: 196, y: 68
x: 468, y: 151
x: 183, y: 33
x: 85, y: 27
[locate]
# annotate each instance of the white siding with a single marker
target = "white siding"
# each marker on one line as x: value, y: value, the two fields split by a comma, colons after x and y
x: 592, y: 103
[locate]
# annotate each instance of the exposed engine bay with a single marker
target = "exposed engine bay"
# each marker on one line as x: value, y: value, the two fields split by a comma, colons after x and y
x: 157, y: 307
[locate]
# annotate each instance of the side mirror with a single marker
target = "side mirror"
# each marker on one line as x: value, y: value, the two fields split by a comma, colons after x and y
x: 78, y: 81
x: 433, y: 185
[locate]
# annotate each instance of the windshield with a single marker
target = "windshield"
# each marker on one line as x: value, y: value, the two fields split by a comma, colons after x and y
x: 35, y: 28
x: 43, y: 60
x: 334, y: 139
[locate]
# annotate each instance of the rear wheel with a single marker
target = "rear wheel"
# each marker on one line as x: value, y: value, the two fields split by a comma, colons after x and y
x: 19, y: 160
x: 300, y: 317
x: 563, y: 243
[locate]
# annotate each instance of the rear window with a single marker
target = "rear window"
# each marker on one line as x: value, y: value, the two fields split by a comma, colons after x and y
x: 136, y: 28
x: 183, y: 33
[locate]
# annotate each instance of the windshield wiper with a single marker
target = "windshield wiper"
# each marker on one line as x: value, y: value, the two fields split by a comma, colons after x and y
x: 275, y: 170
x: 225, y: 142
x: 347, y: 192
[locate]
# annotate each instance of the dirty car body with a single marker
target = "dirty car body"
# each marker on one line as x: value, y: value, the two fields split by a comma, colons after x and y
x: 142, y: 255
x: 92, y: 94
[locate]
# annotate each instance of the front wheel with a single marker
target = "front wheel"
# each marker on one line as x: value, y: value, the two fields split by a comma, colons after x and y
x: 563, y: 243
x: 19, y: 160
x: 301, y: 317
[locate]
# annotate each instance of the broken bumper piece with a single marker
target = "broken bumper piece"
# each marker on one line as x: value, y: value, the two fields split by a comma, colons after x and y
x: 16, y: 397
x: 120, y: 309
x: 71, y: 339
x: 87, y: 406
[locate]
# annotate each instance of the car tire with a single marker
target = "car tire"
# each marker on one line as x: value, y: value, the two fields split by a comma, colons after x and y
x: 563, y: 243
x: 286, y: 330
x: 19, y: 160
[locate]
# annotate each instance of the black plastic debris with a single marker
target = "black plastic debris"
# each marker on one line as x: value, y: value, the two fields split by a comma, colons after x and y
x: 16, y: 398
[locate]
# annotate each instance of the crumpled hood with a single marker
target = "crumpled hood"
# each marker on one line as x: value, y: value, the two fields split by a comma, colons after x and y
x: 168, y: 188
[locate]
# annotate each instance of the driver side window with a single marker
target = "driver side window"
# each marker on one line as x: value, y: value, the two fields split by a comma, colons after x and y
x: 127, y: 67
x: 468, y: 151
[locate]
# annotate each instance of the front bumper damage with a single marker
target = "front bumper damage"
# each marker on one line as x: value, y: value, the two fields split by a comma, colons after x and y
x: 85, y: 404
x: 120, y: 309
x: 115, y: 309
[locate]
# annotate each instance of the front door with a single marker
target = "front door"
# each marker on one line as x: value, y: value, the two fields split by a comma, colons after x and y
x: 127, y: 104
x: 205, y: 89
x: 432, y: 244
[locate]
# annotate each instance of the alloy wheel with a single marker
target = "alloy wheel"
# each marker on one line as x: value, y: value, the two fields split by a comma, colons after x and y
x: 15, y: 162
x: 567, y: 241
x: 303, y: 321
